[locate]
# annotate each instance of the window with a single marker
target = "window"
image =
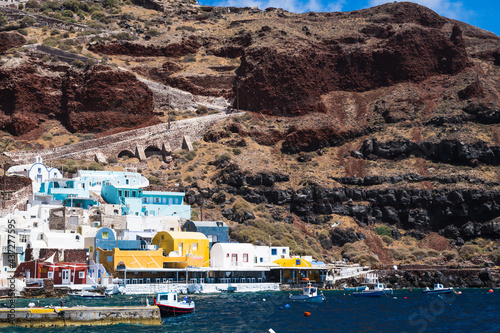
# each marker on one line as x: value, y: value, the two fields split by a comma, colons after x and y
x: 24, y: 238
x: 119, y: 193
x: 50, y: 275
x: 126, y: 181
x: 261, y: 259
x: 195, y: 246
x: 245, y: 257
x: 39, y: 170
x: 157, y: 200
x: 104, y: 235
x: 144, y: 200
x: 283, y: 251
x: 274, y: 252
x: 81, y: 275
x: 255, y: 260
x: 297, y: 262
x: 127, y: 194
x: 133, y: 194
x: 234, y: 257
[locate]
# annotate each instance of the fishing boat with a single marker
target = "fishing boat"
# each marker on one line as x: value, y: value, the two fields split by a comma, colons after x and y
x: 438, y: 289
x: 360, y: 288
x: 309, y: 294
x: 170, y: 305
x: 85, y: 294
x: 378, y: 290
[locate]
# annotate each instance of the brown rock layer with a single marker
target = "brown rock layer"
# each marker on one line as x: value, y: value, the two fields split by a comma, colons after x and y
x: 271, y: 78
x: 93, y: 101
x: 9, y: 40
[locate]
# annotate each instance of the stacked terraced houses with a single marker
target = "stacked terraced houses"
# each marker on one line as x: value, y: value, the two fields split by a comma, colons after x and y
x: 102, y: 228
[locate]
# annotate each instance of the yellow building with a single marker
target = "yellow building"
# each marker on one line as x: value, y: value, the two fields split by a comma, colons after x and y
x: 193, y: 245
x: 292, y: 262
x: 150, y: 259
x: 296, y: 270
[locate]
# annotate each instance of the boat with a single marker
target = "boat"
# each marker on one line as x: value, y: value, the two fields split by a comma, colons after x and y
x: 85, y: 294
x: 378, y: 290
x: 309, y: 294
x: 438, y: 289
x: 360, y: 288
x: 169, y: 304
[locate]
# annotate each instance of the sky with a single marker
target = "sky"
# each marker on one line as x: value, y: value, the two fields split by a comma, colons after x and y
x: 484, y: 14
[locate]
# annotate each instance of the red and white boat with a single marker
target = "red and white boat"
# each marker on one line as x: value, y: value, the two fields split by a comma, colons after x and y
x: 170, y: 305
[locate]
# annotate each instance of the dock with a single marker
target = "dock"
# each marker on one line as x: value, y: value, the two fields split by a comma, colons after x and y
x: 79, y: 316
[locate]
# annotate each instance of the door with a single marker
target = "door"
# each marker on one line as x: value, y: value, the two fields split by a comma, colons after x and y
x: 66, y: 276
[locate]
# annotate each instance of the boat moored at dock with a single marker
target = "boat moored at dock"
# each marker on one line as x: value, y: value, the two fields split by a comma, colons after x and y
x: 438, y: 289
x: 356, y: 289
x: 85, y: 294
x: 378, y: 290
x: 169, y: 304
x: 309, y: 294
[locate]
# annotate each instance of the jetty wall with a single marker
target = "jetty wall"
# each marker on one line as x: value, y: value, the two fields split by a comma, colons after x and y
x: 63, y: 316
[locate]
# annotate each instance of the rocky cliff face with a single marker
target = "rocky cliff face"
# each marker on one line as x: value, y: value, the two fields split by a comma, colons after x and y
x: 85, y: 101
x: 386, y: 117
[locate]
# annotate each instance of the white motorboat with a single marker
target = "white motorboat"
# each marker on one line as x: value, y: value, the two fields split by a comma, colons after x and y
x: 378, y: 290
x: 170, y: 305
x: 438, y: 289
x: 85, y: 294
x: 309, y: 294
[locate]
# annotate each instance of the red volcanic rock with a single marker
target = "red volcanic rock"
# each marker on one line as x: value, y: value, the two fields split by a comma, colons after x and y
x: 403, y: 12
x: 23, y: 89
x: 175, y: 50
x: 94, y: 101
x: 291, y: 82
x: 106, y: 98
x: 475, y: 89
x: 9, y: 40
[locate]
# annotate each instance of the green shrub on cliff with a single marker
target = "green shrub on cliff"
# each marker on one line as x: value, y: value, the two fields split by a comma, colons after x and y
x: 3, y: 20
x: 400, y: 253
x: 468, y: 251
x: 449, y: 255
x: 388, y: 240
x: 383, y: 231
x: 495, y: 257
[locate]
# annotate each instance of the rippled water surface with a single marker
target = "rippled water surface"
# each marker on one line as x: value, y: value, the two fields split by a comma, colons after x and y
x: 472, y: 311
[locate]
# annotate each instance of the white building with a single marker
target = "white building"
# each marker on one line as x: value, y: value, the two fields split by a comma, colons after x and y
x: 37, y: 172
x: 56, y: 240
x: 265, y: 255
x: 232, y: 255
x: 95, y: 180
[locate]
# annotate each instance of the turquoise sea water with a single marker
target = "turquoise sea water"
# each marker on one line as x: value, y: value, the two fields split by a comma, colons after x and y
x: 475, y: 310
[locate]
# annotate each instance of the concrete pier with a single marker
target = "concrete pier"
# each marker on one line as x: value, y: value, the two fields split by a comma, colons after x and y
x: 78, y: 316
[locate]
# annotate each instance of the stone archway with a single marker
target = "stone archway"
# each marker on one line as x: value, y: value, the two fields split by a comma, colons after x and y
x: 152, y: 150
x: 125, y: 153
